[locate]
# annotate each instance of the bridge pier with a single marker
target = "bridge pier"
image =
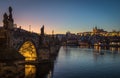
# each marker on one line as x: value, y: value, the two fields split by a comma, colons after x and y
x: 48, y: 54
x: 48, y: 49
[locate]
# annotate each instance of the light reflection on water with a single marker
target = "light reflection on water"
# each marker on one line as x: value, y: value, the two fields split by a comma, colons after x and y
x: 30, y: 71
x: 72, y: 62
x: 107, y: 49
x: 25, y: 71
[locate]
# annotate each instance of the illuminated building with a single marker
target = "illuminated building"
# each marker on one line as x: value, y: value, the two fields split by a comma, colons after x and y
x: 98, y: 31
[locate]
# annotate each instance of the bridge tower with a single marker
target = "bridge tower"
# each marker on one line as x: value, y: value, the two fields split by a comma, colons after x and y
x: 8, y: 25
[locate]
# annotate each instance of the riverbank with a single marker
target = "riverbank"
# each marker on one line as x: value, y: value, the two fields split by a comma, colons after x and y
x: 10, y: 54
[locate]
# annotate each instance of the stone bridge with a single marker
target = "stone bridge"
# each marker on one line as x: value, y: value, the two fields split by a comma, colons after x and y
x: 15, y: 38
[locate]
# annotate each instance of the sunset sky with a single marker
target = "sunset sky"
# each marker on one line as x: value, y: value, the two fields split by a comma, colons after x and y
x: 64, y: 15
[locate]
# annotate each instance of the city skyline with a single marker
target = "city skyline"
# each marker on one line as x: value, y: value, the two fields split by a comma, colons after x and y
x: 64, y: 15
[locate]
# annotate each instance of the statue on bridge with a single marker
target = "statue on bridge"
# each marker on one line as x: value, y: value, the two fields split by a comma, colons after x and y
x: 41, y: 39
x: 42, y: 31
x: 10, y: 16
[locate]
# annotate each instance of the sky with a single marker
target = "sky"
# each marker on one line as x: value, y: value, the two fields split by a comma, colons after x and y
x: 64, y: 15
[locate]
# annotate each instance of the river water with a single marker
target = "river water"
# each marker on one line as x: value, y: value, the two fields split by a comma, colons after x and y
x: 71, y: 62
x: 75, y: 62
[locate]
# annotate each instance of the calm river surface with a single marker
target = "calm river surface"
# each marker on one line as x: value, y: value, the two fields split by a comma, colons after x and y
x: 71, y: 62
x: 75, y: 62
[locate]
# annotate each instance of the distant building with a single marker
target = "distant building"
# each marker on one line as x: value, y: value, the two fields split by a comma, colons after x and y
x: 70, y: 35
x: 85, y: 33
x: 114, y: 33
x: 98, y: 31
x: 60, y: 36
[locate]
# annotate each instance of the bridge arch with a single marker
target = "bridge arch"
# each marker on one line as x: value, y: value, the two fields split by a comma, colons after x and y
x: 28, y: 49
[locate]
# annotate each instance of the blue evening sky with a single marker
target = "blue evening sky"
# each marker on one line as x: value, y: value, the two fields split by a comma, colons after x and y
x: 64, y: 15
